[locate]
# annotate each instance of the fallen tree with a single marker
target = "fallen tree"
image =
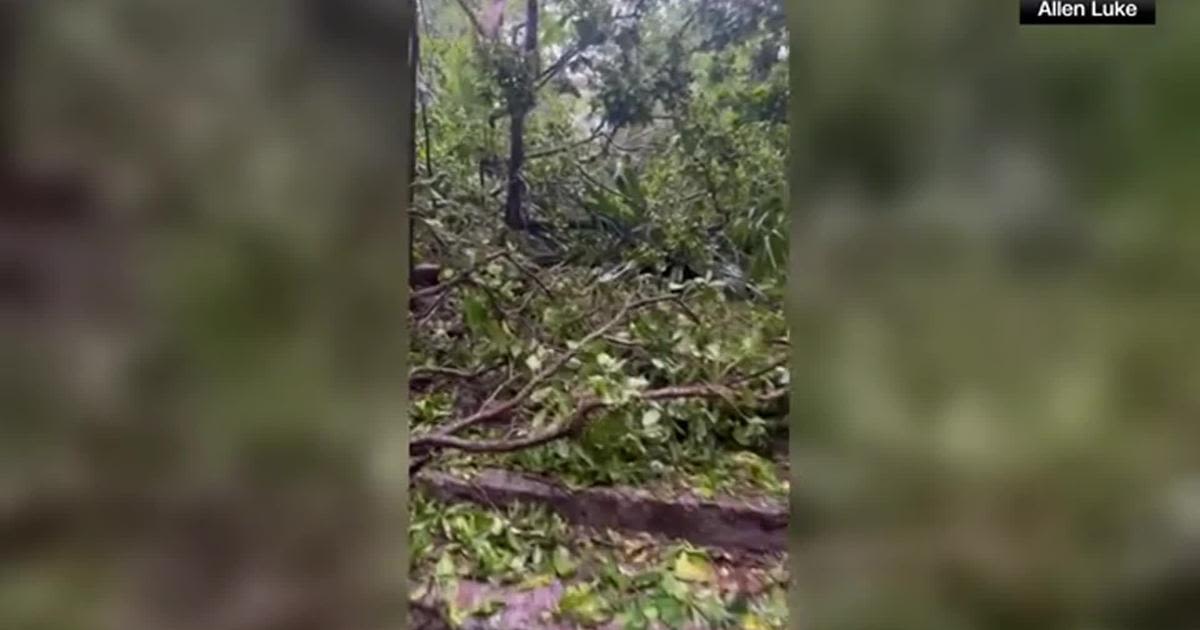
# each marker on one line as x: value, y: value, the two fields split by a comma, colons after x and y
x: 521, y: 395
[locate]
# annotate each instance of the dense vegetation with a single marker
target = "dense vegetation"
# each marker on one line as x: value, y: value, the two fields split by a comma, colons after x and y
x: 599, y: 243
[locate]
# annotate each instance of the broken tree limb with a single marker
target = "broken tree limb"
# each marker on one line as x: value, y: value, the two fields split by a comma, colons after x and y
x: 488, y: 411
x: 460, y: 278
x: 433, y: 370
x: 586, y: 407
x: 743, y: 522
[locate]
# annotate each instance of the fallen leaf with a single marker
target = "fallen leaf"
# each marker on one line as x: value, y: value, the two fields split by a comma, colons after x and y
x: 563, y: 565
x: 693, y: 567
x: 581, y: 603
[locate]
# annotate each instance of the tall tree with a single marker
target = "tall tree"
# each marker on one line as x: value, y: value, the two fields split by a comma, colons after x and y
x: 630, y: 122
x: 519, y: 108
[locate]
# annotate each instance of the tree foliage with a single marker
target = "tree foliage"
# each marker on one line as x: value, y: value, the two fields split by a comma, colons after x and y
x: 657, y: 128
x: 592, y: 341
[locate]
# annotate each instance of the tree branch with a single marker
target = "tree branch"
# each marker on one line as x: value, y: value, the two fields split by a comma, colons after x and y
x: 772, y: 366
x: 560, y: 63
x: 459, y: 279
x: 579, y: 418
x: 566, y: 147
x: 433, y: 370
x: 530, y: 274
x: 474, y: 20
x: 606, y: 188
x: 488, y: 411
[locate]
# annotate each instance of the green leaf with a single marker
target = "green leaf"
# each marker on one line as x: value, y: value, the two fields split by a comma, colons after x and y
x: 605, y: 361
x: 458, y: 615
x: 672, y: 612
x: 563, y: 565
x: 581, y: 603
x: 488, y: 607
x: 675, y: 588
x: 445, y: 566
x: 534, y: 362
x: 475, y: 313
x: 693, y: 567
x: 535, y: 581
x: 633, y: 187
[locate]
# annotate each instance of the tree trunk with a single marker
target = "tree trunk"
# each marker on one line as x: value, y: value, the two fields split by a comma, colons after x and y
x: 514, y: 215
x: 514, y: 207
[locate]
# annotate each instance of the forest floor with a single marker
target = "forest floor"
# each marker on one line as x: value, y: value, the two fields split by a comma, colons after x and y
x: 595, y: 454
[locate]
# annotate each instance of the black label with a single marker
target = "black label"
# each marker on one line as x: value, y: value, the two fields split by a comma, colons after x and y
x: 1087, y: 12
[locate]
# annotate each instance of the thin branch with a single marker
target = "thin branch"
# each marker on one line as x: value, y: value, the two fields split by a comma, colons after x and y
x: 774, y: 395
x: 575, y: 421
x: 571, y: 53
x: 512, y: 378
x: 513, y: 313
x: 686, y: 311
x: 489, y: 411
x: 560, y: 63
x: 771, y: 367
x: 692, y: 197
x: 564, y: 148
x: 624, y: 343
x: 624, y: 149
x: 687, y: 23
x: 474, y: 20
x: 433, y: 370
x: 713, y: 193
x: 459, y: 279
x: 531, y: 275
x: 428, y: 139
x: 424, y: 221
x: 606, y: 188
x: 433, y: 308
x: 417, y: 463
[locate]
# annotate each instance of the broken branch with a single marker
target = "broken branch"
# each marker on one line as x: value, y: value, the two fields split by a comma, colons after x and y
x: 489, y: 411
x: 578, y: 420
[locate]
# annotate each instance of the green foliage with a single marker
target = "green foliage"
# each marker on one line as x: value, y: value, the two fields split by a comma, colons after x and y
x: 655, y: 159
x: 632, y: 581
x: 488, y: 545
x: 630, y: 441
x: 695, y: 112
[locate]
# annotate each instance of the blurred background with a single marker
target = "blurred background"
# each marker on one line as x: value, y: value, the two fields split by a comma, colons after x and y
x: 996, y: 258
x: 202, y: 256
